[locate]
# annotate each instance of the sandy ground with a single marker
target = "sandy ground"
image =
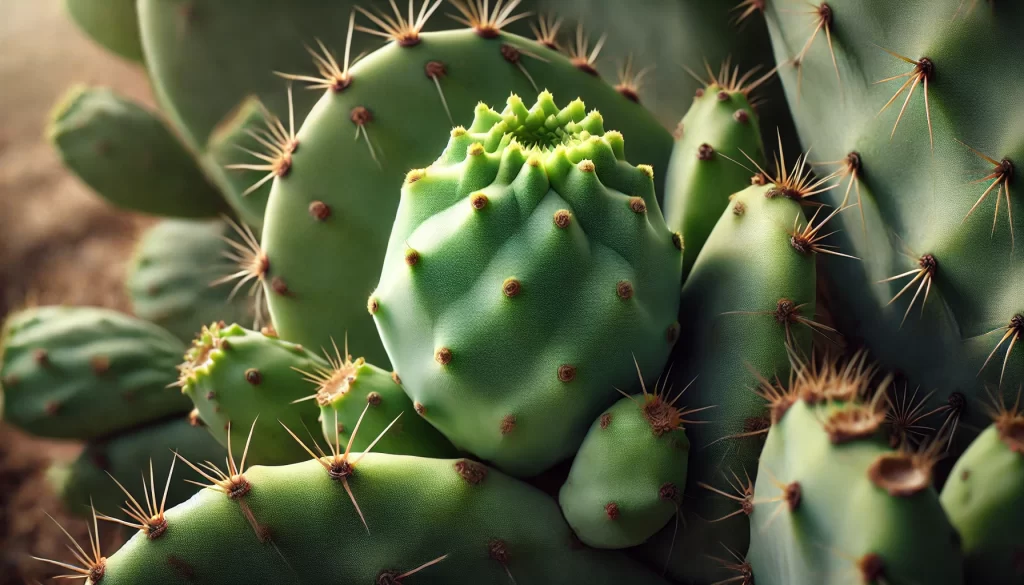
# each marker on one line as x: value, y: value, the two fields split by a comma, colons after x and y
x: 58, y: 244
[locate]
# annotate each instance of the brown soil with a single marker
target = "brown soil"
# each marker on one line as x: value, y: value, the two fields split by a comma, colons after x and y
x: 59, y: 243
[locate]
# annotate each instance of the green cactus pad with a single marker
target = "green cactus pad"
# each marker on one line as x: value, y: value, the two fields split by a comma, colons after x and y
x: 833, y: 505
x: 341, y: 195
x: 127, y: 457
x: 226, y: 147
x: 918, y: 166
x: 351, y: 391
x: 627, y: 479
x: 83, y: 373
x: 418, y: 521
x: 527, y: 268
x: 129, y: 157
x: 169, y: 281
x: 753, y: 293
x: 719, y: 131
x: 239, y: 378
x: 984, y: 499
x: 111, y: 23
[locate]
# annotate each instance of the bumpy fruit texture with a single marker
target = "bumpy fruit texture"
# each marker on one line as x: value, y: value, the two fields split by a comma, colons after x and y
x: 206, y: 56
x: 225, y: 148
x: 129, y: 157
x: 111, y: 23
x: 351, y: 388
x: 474, y: 524
x: 748, y: 289
x: 237, y: 378
x: 953, y: 329
x: 719, y: 126
x: 127, y: 458
x: 628, y: 477
x: 83, y: 373
x: 528, y: 267
x: 329, y: 218
x: 834, y: 506
x: 169, y: 280
x: 984, y: 498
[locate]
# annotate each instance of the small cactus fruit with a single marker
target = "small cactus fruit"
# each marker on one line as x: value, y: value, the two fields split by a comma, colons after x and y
x: 129, y: 157
x: 127, y: 456
x: 169, y: 280
x: 628, y: 477
x: 937, y: 176
x: 751, y: 294
x: 353, y: 392
x: 984, y: 499
x: 401, y: 519
x: 83, y: 373
x: 325, y: 234
x: 114, y: 24
x: 241, y: 380
x: 720, y: 130
x: 833, y: 504
x: 524, y: 268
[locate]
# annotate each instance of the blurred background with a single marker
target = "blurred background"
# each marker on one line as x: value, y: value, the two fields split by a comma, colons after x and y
x: 59, y: 243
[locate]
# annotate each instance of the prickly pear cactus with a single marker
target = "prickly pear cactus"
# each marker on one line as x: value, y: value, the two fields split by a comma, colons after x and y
x: 111, y: 23
x: 924, y: 123
x: 398, y: 104
x: 129, y: 157
x: 984, y: 498
x: 628, y: 476
x: 170, y: 280
x: 833, y: 503
x: 528, y: 267
x: 127, y: 456
x: 83, y: 373
x: 403, y: 518
x: 246, y: 383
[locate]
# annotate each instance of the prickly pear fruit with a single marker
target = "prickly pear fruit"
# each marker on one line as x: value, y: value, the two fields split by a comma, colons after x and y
x: 126, y: 456
x: 169, y: 280
x: 712, y: 142
x: 111, y: 23
x: 753, y: 287
x: 833, y: 503
x: 627, y: 479
x: 242, y: 380
x: 404, y: 519
x: 353, y: 392
x: 397, y: 101
x: 83, y: 372
x: 129, y: 157
x: 984, y: 499
x: 530, y: 244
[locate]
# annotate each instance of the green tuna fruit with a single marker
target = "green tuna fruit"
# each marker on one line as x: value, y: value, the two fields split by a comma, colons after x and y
x: 241, y: 131
x: 984, y: 498
x: 114, y: 24
x: 241, y: 380
x: 169, y: 280
x: 354, y: 393
x: 129, y: 157
x: 719, y: 130
x: 833, y: 504
x: 627, y: 479
x: 403, y: 519
x: 938, y: 294
x: 399, y: 103
x: 754, y: 285
x: 84, y: 373
x: 528, y: 266
x: 126, y: 457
